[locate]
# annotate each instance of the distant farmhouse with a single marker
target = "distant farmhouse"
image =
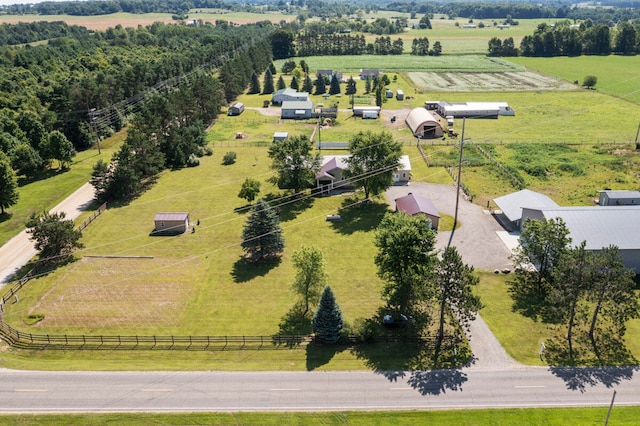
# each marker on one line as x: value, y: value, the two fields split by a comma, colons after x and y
x: 296, y: 109
x: 329, y: 74
x: 332, y: 173
x: 288, y: 94
x: 599, y: 226
x: 370, y: 73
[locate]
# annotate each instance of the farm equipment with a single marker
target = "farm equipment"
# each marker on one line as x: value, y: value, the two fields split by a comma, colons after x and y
x: 452, y: 134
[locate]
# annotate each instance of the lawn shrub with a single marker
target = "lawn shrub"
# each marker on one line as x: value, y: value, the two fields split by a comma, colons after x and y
x: 535, y: 169
x: 229, y: 158
x: 193, y: 160
x: 207, y: 150
x: 571, y: 168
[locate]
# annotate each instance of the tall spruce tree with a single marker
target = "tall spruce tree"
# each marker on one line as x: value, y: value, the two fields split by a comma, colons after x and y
x: 262, y: 238
x: 294, y: 83
x: 280, y: 84
x: 327, y: 321
x: 307, y: 84
x: 351, y: 87
x: 321, y: 87
x: 267, y: 86
x: 334, y: 89
x: 254, y: 85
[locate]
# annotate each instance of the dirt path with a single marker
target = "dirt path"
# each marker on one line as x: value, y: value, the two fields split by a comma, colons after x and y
x: 19, y: 250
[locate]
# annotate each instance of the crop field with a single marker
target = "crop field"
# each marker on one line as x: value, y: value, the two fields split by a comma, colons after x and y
x: 487, y: 82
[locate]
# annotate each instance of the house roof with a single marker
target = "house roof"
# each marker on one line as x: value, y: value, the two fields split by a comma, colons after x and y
x: 297, y: 105
x: 330, y: 163
x: 168, y: 217
x: 405, y: 163
x: 412, y: 204
x: 614, y: 194
x: 512, y: 204
x: 600, y: 226
x: 286, y: 90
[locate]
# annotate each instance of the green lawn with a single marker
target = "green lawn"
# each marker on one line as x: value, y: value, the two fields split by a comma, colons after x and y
x: 493, y: 417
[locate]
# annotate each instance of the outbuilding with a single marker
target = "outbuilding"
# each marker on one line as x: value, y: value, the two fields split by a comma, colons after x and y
x: 288, y: 94
x: 423, y: 124
x: 412, y: 205
x: 171, y: 223
x: 360, y: 111
x: 236, y: 109
x: 297, y: 109
x: 280, y: 136
x: 399, y: 95
x: 618, y: 197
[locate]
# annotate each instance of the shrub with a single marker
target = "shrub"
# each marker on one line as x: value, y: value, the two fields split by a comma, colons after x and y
x: 537, y: 170
x: 229, y: 158
x: 193, y: 160
x: 207, y: 150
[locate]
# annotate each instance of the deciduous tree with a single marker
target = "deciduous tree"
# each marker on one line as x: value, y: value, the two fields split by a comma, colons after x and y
x: 310, y: 275
x: 250, y: 189
x: 374, y: 159
x: 294, y: 162
x: 53, y: 236
x: 8, y: 184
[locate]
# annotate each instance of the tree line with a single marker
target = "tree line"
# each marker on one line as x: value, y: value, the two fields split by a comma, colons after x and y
x: 94, y: 8
x: 564, y: 39
x: 305, y: 44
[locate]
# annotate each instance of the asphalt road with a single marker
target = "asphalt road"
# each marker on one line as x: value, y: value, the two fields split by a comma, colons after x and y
x: 19, y: 250
x: 57, y: 392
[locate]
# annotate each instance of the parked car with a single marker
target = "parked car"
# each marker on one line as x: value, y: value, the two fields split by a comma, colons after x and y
x: 395, y: 321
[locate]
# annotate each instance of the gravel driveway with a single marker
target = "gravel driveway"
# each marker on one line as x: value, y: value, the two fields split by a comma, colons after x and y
x: 476, y: 238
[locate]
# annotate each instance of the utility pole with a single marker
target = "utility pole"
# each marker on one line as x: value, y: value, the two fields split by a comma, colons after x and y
x: 637, y: 133
x: 92, y: 118
x: 455, y: 217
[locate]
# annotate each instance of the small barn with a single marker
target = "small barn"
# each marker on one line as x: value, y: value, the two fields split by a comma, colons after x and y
x: 361, y: 111
x: 171, y: 223
x: 236, y: 109
x: 296, y: 109
x: 389, y: 93
x: 403, y: 174
x: 399, y: 95
x: 610, y: 197
x: 512, y: 205
x: 280, y: 136
x: 423, y: 124
x: 412, y: 205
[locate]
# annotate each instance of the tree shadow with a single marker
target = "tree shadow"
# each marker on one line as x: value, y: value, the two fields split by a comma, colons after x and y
x: 436, y: 382
x: 319, y: 354
x: 244, y: 271
x: 288, y: 207
x: 296, y: 322
x: 579, y: 378
x: 359, y: 216
x: 4, y: 216
x: 42, y: 175
x: 528, y: 301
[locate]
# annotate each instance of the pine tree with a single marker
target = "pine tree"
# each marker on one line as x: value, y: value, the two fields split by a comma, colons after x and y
x: 334, y: 89
x: 267, y: 86
x: 294, y: 83
x: 367, y: 85
x: 327, y: 321
x: 351, y: 87
x: 262, y: 238
x: 307, y: 85
x: 321, y: 87
x: 272, y: 68
x: 254, y: 85
x: 280, y: 84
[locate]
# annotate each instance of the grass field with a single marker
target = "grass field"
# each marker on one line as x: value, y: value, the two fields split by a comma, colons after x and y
x: 504, y: 417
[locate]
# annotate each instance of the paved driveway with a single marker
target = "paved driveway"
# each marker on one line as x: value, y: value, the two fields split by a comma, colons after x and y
x: 476, y: 238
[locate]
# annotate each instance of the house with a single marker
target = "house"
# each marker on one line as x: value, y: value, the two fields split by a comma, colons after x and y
x: 610, y: 197
x: 329, y: 74
x: 423, y: 124
x: 236, y: 109
x: 474, y: 109
x: 288, y: 94
x: 369, y: 73
x: 412, y: 205
x: 332, y: 173
x: 403, y: 174
x: 296, y: 109
x: 511, y: 205
x: 399, y: 95
x: 599, y: 227
x: 431, y: 105
x: 171, y: 223
x: 280, y: 136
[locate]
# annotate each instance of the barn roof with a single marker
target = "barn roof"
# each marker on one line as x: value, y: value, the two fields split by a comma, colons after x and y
x: 512, y: 204
x: 417, y: 117
x: 412, y: 204
x: 600, y: 226
x: 168, y: 217
x: 297, y: 105
x: 614, y: 194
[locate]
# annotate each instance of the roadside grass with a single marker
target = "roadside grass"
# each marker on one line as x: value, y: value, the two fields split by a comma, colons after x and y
x: 46, y: 193
x: 617, y: 75
x: 490, y: 417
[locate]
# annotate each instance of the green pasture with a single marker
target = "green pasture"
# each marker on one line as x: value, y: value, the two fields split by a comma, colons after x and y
x: 488, y: 417
x: 53, y: 186
x: 617, y: 75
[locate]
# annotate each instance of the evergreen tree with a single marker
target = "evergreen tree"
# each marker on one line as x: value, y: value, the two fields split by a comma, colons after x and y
x: 8, y: 184
x: 267, y: 87
x: 281, y: 84
x: 367, y: 85
x: 307, y: 85
x: 262, y: 238
x: 437, y: 49
x: 272, y: 68
x: 351, y: 88
x: 304, y: 66
x: 294, y: 83
x: 327, y: 321
x: 320, y: 86
x: 254, y: 85
x: 334, y: 89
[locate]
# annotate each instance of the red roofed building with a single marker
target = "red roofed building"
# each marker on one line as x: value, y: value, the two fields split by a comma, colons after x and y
x: 415, y: 204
